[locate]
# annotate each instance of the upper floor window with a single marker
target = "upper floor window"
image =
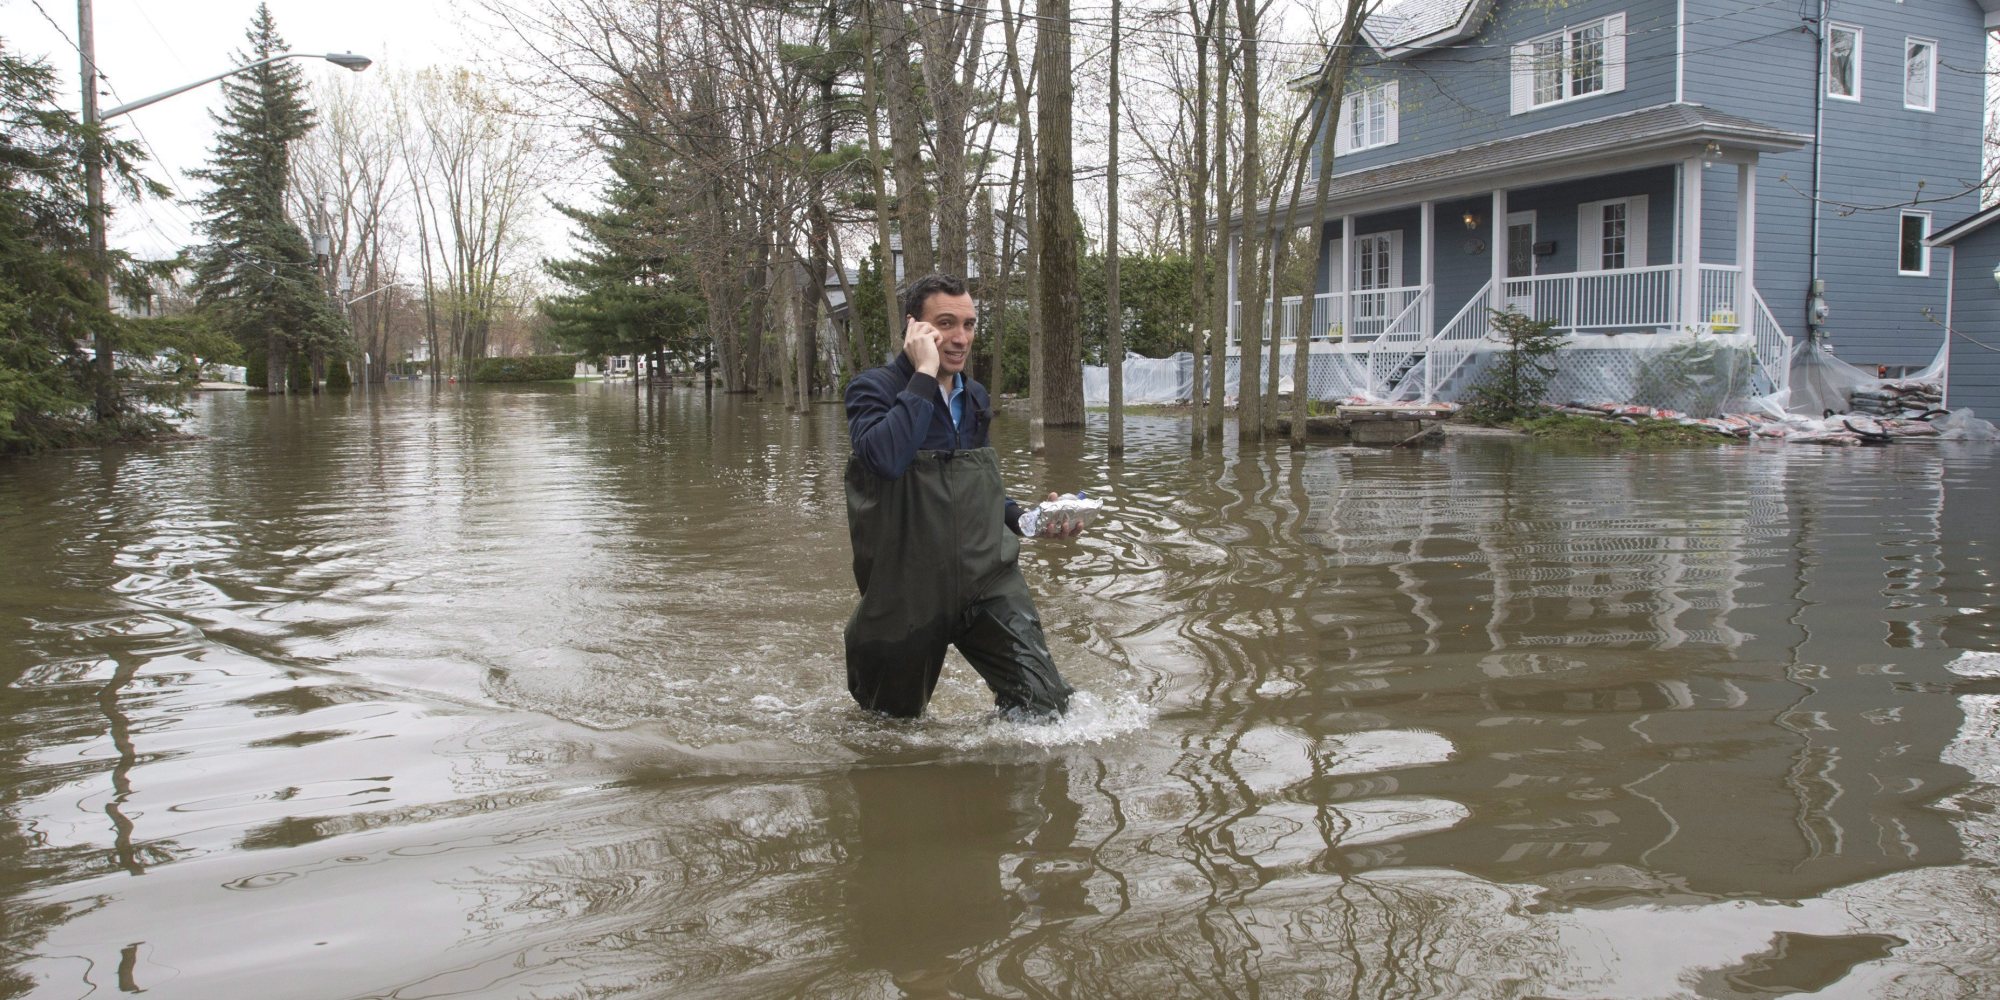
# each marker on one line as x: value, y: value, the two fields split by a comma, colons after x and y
x: 1920, y: 74
x: 1843, y: 61
x: 1367, y: 119
x: 1579, y: 61
x: 1914, y: 258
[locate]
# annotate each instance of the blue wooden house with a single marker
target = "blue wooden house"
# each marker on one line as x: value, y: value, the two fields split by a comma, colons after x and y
x: 1971, y: 252
x: 1724, y: 176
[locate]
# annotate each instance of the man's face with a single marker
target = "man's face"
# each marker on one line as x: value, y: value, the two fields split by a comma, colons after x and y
x: 955, y: 319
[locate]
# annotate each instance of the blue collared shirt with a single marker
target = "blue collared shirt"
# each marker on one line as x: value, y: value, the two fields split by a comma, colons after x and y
x: 954, y: 401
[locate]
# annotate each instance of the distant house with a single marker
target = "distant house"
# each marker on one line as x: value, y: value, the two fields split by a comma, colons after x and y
x: 1640, y: 173
x: 1972, y: 310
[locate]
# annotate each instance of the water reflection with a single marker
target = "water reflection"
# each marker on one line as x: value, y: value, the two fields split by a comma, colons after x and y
x: 554, y: 673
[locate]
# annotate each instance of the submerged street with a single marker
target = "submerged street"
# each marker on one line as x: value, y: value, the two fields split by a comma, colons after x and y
x: 538, y: 691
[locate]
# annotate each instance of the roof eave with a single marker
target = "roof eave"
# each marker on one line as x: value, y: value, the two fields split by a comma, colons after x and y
x: 1762, y: 140
x: 1973, y: 223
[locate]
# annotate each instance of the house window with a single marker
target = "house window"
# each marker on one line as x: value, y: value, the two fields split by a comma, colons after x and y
x: 1914, y: 257
x: 1378, y: 265
x: 1920, y: 74
x: 1843, y: 62
x: 1611, y: 235
x: 1367, y: 119
x: 1579, y: 61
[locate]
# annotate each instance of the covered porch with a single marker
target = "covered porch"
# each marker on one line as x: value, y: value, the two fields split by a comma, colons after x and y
x: 1599, y: 229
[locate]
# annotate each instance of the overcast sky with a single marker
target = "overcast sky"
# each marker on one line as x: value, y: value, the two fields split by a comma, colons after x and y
x: 146, y: 46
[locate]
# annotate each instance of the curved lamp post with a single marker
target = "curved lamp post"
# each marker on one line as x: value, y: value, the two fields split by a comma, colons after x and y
x: 345, y: 60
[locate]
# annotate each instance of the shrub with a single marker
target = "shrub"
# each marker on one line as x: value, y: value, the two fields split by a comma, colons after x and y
x: 1513, y: 386
x: 534, y: 368
x: 338, y: 378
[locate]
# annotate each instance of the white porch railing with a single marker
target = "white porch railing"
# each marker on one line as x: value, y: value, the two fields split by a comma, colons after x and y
x: 1774, y: 348
x: 1330, y: 317
x: 1403, y: 361
x: 1719, y: 284
x: 1453, y: 344
x: 1634, y: 298
x: 1398, y: 347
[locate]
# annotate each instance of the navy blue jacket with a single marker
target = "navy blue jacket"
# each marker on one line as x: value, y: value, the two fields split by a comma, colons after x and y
x: 895, y: 411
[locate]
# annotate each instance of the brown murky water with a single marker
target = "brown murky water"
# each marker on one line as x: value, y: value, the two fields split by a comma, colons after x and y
x: 537, y: 693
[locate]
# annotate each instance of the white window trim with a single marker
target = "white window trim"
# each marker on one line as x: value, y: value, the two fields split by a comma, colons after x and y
x: 1521, y: 68
x: 1590, y: 233
x: 1832, y: 27
x: 1392, y: 111
x: 1930, y: 89
x: 1922, y: 246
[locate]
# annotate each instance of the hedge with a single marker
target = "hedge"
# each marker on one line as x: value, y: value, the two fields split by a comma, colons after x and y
x: 535, y: 368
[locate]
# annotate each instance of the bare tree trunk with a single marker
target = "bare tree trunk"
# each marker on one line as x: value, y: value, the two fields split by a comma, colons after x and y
x: 786, y: 321
x: 1032, y: 209
x: 1254, y: 258
x: 1200, y: 167
x: 1115, y: 370
x: 1328, y: 96
x: 1218, y: 332
x: 1061, y: 375
x: 870, y: 98
x: 906, y: 143
x: 989, y: 272
x: 951, y: 38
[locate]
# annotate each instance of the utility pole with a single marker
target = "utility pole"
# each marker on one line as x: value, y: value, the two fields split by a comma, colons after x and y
x: 107, y: 401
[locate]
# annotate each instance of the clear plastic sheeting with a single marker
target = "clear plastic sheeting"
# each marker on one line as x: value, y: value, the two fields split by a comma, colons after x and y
x: 1964, y: 425
x: 1147, y: 380
x: 1822, y: 383
x: 1700, y: 377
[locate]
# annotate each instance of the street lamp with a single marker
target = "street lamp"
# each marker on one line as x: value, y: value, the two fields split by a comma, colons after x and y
x: 93, y: 171
x: 345, y: 60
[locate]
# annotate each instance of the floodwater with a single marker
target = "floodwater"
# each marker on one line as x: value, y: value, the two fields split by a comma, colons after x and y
x: 537, y: 692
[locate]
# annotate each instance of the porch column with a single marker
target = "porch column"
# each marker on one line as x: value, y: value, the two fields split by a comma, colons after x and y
x: 1346, y: 278
x: 1746, y: 242
x: 1427, y: 264
x: 1690, y: 304
x: 1229, y: 308
x: 1497, y: 225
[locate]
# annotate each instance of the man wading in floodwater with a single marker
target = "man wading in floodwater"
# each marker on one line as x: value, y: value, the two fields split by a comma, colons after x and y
x: 935, y: 536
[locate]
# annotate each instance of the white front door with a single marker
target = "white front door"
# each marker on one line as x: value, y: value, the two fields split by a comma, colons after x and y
x: 1378, y: 266
x: 1519, y: 296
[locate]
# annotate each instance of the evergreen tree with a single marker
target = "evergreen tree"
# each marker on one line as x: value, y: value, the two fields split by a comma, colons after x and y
x: 634, y: 292
x: 256, y: 276
x: 49, y: 306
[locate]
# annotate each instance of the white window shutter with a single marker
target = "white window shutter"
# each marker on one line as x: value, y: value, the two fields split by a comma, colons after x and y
x: 1635, y: 231
x: 1395, y: 258
x: 1343, y: 126
x: 1394, y: 109
x: 1521, y: 70
x: 1614, y: 53
x: 1590, y: 236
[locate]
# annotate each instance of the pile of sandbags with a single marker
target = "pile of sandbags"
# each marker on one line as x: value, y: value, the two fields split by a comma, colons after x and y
x: 1839, y: 429
x: 1896, y: 398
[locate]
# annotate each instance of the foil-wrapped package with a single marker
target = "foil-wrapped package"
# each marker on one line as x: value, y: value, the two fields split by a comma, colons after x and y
x: 1058, y: 516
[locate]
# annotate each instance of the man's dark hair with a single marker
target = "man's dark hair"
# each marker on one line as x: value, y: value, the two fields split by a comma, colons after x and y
x: 936, y: 284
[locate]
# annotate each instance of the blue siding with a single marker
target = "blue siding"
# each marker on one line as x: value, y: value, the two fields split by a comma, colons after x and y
x: 1975, y: 371
x: 1458, y: 95
x: 1757, y: 62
